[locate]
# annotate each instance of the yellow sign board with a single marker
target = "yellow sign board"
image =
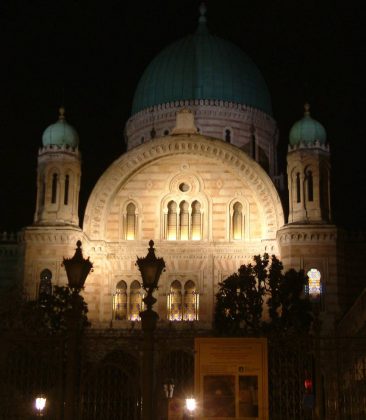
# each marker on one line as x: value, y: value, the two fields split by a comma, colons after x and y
x: 231, y: 378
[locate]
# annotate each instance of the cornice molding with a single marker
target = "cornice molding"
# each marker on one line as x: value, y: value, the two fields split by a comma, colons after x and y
x: 307, y: 233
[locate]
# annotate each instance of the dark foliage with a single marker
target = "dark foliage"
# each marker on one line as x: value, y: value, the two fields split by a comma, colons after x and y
x: 261, y: 299
x: 49, y: 314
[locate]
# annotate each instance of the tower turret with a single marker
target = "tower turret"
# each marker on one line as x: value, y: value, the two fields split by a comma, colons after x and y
x: 309, y: 240
x: 58, y: 178
x: 308, y: 169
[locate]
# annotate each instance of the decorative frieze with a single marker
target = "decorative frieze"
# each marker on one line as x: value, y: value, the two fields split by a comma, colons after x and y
x: 303, y: 233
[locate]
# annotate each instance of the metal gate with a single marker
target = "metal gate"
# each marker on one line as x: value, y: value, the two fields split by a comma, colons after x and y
x: 111, y: 389
x: 290, y: 363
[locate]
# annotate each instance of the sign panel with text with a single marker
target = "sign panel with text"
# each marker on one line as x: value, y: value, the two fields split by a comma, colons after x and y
x: 231, y: 378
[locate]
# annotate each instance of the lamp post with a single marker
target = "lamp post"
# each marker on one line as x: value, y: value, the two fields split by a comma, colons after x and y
x: 168, y: 388
x: 150, y: 268
x: 77, y: 269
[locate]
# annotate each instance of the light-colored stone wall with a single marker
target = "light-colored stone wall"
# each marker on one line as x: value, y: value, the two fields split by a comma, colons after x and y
x: 218, y: 174
x: 45, y: 247
x: 309, y: 246
x: 63, y: 162
x: 302, y: 160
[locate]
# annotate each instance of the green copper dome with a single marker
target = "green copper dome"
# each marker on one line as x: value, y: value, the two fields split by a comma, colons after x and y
x: 307, y: 130
x: 61, y: 133
x: 202, y: 66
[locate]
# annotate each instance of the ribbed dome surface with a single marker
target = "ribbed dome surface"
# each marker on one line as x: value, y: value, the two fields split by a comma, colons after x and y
x: 202, y: 66
x: 307, y: 130
x: 60, y: 133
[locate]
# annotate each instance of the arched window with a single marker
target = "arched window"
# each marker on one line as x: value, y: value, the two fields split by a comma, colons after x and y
x: 185, y: 224
x: 120, y: 301
x: 54, y: 188
x: 136, y: 304
x: 314, y: 287
x: 175, y: 301
x: 66, y: 193
x: 131, y: 222
x: 196, y: 221
x: 237, y: 221
x: 172, y: 220
x: 45, y: 285
x: 298, y: 188
x: 309, y: 179
x: 184, y: 220
x: 228, y: 136
x: 153, y: 133
x: 43, y: 192
x: 191, y: 303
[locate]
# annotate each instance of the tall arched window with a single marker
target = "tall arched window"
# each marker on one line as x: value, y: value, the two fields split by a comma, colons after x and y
x: 228, y: 136
x: 183, y: 306
x: 136, y: 304
x: 131, y: 222
x: 196, y: 220
x: 186, y: 224
x: 66, y: 192
x: 314, y: 288
x: 54, y: 188
x: 175, y: 301
x: 184, y: 220
x: 298, y: 188
x: 237, y: 221
x: 120, y: 301
x: 172, y: 220
x: 43, y: 192
x: 45, y: 285
x: 190, y: 304
x: 309, y: 179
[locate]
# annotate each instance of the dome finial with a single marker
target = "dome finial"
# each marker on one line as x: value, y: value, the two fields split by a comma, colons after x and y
x: 203, y: 10
x: 61, y: 115
x: 307, y: 131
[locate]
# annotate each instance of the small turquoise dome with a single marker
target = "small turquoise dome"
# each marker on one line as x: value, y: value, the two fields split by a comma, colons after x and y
x: 202, y: 66
x: 307, y: 130
x: 60, y: 133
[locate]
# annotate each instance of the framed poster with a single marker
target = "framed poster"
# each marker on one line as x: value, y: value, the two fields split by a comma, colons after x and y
x: 231, y: 378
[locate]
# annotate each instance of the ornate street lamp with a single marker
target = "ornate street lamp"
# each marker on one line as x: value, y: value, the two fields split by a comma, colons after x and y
x: 150, y: 268
x: 77, y: 269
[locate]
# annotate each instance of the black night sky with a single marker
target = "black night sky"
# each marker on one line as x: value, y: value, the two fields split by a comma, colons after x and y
x: 91, y: 54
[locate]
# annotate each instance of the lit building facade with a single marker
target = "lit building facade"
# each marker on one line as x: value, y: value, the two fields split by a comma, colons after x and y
x: 200, y: 178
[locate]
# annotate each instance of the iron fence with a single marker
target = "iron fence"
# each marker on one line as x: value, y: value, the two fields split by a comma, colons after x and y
x: 110, y: 375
